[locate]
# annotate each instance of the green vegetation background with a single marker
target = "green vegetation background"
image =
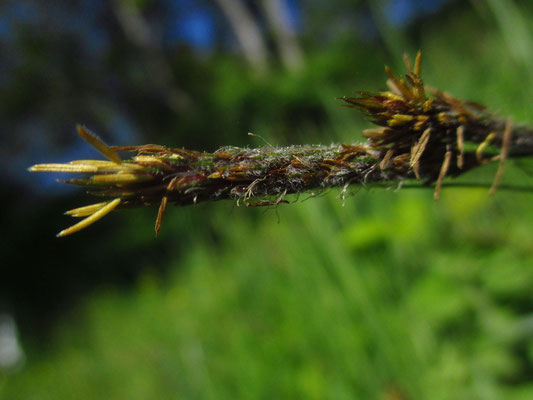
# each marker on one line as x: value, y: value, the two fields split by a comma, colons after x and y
x: 387, y: 292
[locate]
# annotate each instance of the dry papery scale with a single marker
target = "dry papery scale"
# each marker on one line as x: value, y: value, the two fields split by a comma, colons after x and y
x: 419, y: 136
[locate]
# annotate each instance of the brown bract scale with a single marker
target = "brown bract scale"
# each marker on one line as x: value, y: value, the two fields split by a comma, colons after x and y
x: 419, y: 136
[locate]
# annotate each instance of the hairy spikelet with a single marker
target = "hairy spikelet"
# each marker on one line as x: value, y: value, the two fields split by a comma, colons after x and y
x: 419, y: 136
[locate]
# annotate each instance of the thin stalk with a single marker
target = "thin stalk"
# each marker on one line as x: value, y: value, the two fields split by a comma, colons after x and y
x: 419, y: 136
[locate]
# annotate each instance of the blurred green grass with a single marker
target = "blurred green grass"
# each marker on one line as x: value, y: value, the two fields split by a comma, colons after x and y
x: 331, y: 302
x: 320, y: 300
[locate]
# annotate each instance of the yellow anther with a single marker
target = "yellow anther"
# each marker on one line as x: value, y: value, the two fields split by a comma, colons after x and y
x: 400, y: 119
x: 102, y: 212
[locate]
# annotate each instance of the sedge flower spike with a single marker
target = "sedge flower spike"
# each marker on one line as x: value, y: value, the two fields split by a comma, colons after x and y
x: 419, y: 136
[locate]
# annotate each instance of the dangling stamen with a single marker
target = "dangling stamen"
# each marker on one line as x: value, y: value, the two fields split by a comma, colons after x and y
x: 163, y: 206
x: 417, y: 150
x: 460, y: 146
x: 442, y: 174
x: 506, y: 141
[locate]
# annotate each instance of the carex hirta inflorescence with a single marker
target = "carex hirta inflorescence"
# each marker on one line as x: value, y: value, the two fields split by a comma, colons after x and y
x: 422, y: 134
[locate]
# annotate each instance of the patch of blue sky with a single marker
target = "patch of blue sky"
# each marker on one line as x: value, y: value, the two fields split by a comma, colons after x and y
x: 190, y: 22
x: 194, y: 23
x: 294, y: 14
x: 196, y: 28
x: 399, y: 12
x: 402, y: 12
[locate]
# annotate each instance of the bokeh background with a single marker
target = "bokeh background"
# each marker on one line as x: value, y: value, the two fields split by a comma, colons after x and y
x: 388, y: 296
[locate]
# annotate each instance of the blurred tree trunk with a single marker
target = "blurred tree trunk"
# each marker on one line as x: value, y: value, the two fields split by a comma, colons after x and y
x: 138, y: 32
x: 284, y: 36
x: 247, y: 32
